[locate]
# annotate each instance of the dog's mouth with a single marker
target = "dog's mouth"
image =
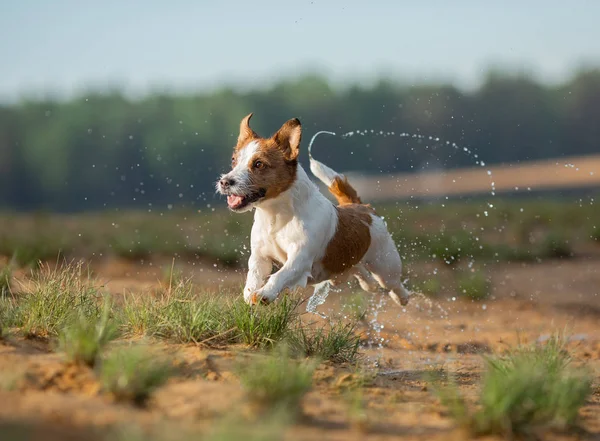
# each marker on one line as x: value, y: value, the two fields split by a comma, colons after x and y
x: 237, y: 202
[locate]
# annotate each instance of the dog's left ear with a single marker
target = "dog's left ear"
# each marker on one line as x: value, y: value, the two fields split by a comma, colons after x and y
x: 288, y: 138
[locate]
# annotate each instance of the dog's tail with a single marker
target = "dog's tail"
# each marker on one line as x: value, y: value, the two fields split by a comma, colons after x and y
x: 337, y: 183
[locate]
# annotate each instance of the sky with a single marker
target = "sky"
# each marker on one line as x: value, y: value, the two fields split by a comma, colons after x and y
x: 64, y: 47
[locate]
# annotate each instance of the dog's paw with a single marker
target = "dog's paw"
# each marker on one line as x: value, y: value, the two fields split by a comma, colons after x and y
x: 255, y: 298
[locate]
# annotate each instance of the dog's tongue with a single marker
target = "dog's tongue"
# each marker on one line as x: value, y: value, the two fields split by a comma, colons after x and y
x: 234, y: 201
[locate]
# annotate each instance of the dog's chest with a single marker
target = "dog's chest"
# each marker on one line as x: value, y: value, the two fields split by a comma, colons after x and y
x: 276, y: 241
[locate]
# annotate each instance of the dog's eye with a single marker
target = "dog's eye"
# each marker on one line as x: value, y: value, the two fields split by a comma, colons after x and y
x: 258, y: 165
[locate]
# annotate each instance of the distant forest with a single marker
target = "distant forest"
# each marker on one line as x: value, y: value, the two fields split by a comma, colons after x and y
x: 105, y: 151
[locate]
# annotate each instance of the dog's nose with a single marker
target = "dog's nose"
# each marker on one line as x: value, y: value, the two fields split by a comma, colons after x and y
x: 227, y: 182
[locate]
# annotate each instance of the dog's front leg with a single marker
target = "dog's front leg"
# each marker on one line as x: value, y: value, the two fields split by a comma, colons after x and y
x: 259, y: 268
x: 294, y: 273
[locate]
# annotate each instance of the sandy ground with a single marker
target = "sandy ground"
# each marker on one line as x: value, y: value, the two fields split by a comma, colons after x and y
x: 529, y: 302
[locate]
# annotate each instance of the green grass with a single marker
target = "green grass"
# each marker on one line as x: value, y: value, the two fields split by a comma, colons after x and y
x: 84, y: 338
x: 473, y: 285
x: 277, y: 381
x: 132, y: 374
x: 45, y: 308
x: 263, y: 325
x: 336, y: 342
x: 31, y: 250
x: 6, y: 277
x: 531, y: 388
x: 451, y: 247
x: 419, y: 228
x: 186, y: 318
x: 178, y: 314
x: 7, y: 308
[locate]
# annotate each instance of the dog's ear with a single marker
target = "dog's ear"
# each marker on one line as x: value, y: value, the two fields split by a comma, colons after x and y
x: 246, y: 133
x: 288, y: 138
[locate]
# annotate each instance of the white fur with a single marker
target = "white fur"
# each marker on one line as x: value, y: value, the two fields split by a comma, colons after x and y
x: 321, y: 171
x: 240, y: 173
x: 294, y: 229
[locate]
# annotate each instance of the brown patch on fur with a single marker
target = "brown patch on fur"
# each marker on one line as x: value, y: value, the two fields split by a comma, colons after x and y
x: 351, y: 240
x: 344, y: 192
x: 277, y: 155
x: 277, y: 173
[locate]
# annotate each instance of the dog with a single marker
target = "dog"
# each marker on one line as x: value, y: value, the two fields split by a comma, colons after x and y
x: 298, y: 228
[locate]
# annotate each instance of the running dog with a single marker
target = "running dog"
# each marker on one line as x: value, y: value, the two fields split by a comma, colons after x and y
x: 297, y: 227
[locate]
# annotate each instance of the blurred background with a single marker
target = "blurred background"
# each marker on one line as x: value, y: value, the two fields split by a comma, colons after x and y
x: 473, y: 127
x: 134, y: 107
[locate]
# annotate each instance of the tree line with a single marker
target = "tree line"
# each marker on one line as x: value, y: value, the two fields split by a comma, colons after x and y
x: 103, y: 150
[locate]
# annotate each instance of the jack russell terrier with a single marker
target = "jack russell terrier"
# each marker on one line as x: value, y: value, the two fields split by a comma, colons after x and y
x: 297, y: 227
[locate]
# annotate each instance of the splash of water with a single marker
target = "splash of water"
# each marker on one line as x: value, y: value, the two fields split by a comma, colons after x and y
x: 417, y: 296
x: 318, y: 297
x: 321, y: 293
x: 406, y: 135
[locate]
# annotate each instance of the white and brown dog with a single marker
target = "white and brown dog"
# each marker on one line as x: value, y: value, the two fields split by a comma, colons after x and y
x: 298, y: 228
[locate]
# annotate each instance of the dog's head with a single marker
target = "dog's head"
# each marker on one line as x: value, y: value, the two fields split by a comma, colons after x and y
x: 262, y: 168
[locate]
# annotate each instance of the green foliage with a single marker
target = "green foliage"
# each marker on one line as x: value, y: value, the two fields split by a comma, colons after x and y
x: 452, y: 247
x: 6, y: 276
x: 84, y: 338
x: 178, y: 314
x: 336, y: 342
x: 474, y: 285
x: 529, y: 388
x: 31, y: 250
x: 134, y: 373
x: 93, y: 143
x: 276, y: 380
x: 264, y: 325
x: 55, y: 296
x: 184, y: 316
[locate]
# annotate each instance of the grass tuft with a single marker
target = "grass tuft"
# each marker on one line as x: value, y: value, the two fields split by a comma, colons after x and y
x: 337, y: 342
x: 83, y: 338
x: 277, y: 381
x: 55, y: 296
x: 263, y: 325
x: 133, y: 374
x: 6, y: 277
x: 530, y: 388
x: 178, y: 314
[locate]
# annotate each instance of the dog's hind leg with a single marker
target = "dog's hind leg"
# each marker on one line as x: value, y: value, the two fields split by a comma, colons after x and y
x: 366, y: 281
x: 384, y: 263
